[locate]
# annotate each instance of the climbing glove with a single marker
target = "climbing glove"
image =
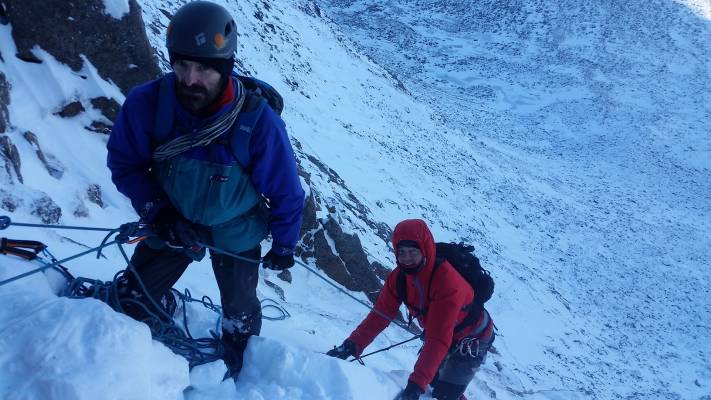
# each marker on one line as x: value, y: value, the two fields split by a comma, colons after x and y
x: 345, y: 350
x: 411, y: 392
x: 278, y: 262
x: 170, y: 226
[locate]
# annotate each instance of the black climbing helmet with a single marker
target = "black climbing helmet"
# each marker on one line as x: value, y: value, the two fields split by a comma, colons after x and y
x: 202, y: 29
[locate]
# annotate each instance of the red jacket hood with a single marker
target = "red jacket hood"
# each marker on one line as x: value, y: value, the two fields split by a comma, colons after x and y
x: 417, y: 231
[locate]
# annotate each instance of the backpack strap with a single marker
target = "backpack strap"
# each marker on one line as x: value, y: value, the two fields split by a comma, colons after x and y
x: 165, y: 115
x: 473, y: 309
x: 264, y: 90
x: 241, y: 133
x: 401, y: 287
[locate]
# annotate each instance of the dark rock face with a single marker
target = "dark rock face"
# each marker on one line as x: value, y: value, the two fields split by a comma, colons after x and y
x: 277, y: 289
x: 47, y: 210
x: 53, y: 166
x: 109, y: 107
x: 71, y: 110
x: 4, y: 102
x: 99, y: 127
x: 342, y: 257
x: 93, y: 192
x: 9, y: 202
x: 351, y: 252
x: 9, y: 153
x: 119, y: 49
x: 380, y: 270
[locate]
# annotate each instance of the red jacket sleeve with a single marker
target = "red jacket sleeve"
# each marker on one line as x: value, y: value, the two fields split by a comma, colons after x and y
x: 379, y: 318
x: 446, y: 302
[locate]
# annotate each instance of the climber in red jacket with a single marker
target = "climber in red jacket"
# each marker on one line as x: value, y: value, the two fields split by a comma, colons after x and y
x: 440, y: 299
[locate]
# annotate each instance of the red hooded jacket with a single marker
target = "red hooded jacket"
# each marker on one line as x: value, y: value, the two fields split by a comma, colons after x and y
x: 449, y: 294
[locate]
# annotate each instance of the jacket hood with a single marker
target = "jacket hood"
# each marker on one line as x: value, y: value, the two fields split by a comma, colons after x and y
x: 417, y: 231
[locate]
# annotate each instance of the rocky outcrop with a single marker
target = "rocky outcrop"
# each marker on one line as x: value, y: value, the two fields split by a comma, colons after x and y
x: 340, y: 255
x: 11, y: 158
x: 109, y: 107
x: 119, y: 49
x: 71, y: 110
x: 4, y: 102
x: 46, y: 209
x: 51, y: 164
x: 8, y: 201
x: 93, y: 193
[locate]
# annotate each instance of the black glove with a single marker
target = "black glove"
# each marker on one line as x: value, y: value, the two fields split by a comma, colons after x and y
x: 170, y: 226
x: 278, y: 262
x: 411, y: 392
x: 343, y: 351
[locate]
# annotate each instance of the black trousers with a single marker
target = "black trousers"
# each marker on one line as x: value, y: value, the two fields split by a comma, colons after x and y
x: 157, y: 270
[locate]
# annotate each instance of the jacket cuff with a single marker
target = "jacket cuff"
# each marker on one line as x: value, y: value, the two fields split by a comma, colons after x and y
x: 417, y: 379
x: 414, y: 385
x: 357, y: 348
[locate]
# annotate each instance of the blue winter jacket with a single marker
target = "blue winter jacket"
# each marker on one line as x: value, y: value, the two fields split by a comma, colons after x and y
x: 271, y: 168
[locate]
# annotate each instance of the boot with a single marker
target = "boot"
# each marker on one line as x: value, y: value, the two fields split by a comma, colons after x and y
x: 234, y: 346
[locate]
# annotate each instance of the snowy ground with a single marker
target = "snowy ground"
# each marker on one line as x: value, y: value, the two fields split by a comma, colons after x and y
x: 583, y: 250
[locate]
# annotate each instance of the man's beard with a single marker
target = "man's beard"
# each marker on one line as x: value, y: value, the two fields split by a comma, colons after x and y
x: 196, y: 97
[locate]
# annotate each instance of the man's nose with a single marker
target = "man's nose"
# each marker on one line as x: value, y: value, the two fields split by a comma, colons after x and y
x: 190, y: 77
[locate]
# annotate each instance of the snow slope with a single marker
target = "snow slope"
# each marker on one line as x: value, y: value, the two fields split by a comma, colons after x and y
x: 598, y: 242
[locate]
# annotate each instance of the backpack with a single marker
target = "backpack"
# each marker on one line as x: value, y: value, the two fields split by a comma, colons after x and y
x: 461, y: 257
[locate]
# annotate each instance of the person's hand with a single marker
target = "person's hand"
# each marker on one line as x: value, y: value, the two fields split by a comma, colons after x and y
x: 278, y: 262
x: 411, y: 392
x: 170, y: 226
x: 345, y: 350
x: 178, y: 234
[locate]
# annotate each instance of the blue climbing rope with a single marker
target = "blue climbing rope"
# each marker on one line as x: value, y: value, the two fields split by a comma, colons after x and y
x: 340, y: 289
x: 160, y: 318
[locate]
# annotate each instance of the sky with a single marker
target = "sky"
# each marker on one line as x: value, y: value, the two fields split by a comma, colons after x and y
x: 396, y: 158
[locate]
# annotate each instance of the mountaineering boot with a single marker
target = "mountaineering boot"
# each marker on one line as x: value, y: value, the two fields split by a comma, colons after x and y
x: 242, y: 312
x: 234, y: 345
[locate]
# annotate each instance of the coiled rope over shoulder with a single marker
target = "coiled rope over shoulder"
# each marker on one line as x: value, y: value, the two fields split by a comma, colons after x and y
x: 206, y: 135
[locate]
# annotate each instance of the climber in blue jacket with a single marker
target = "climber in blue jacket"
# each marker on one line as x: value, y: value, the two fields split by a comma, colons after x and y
x: 205, y: 158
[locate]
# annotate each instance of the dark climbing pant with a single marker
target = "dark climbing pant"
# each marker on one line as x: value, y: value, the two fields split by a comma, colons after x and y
x: 160, y: 269
x: 458, y: 369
